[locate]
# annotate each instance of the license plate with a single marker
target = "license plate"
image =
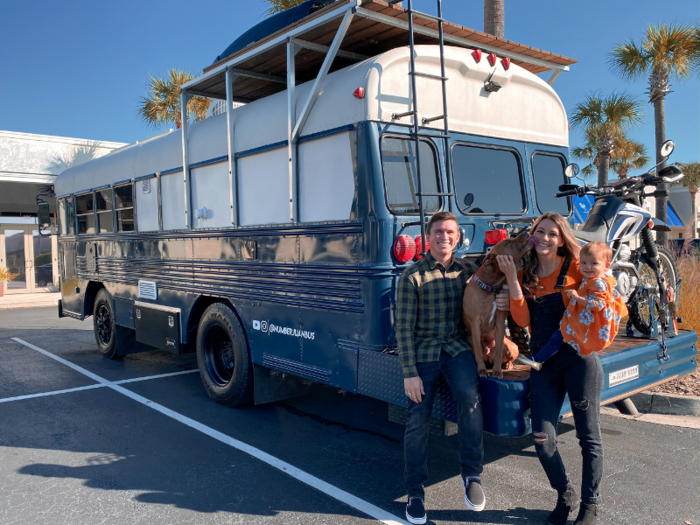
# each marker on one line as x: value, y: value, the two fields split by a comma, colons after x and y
x: 623, y: 376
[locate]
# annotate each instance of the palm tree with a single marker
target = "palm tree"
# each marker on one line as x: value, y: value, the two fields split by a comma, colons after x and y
x: 691, y: 179
x: 588, y: 154
x: 665, y: 51
x: 162, y: 104
x: 277, y: 6
x: 604, y: 120
x: 628, y: 155
x: 494, y: 17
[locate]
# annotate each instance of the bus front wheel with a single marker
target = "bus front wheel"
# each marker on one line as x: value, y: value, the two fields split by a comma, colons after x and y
x: 223, y: 357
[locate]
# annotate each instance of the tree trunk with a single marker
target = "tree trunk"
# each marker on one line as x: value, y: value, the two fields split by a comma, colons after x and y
x: 693, y: 226
x: 494, y: 17
x: 603, y: 169
x: 661, y: 202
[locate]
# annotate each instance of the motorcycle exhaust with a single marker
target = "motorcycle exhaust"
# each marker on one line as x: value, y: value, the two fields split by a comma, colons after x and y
x: 521, y: 360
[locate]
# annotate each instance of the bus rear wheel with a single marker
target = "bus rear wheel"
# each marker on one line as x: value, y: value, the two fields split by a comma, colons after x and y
x: 223, y: 357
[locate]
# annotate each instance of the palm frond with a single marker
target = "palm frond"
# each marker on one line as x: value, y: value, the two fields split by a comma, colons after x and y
x: 628, y: 60
x: 277, y: 6
x: 628, y: 154
x: 671, y: 47
x: 161, y: 105
x: 691, y: 176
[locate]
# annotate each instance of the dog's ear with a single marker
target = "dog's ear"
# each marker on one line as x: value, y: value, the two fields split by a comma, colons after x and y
x: 489, y: 260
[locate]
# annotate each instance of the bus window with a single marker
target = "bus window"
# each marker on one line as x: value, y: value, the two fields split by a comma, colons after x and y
x: 103, y: 200
x: 124, y: 204
x: 492, y: 176
x: 147, y: 217
x: 61, y: 216
x: 400, y: 180
x: 549, y: 174
x: 85, y: 211
x: 70, y: 217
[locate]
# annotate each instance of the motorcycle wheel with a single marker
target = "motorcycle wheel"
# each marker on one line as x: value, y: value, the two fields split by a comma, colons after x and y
x: 639, y: 306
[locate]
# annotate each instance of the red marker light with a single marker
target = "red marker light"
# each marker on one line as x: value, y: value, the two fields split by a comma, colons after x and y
x: 404, y: 248
x: 506, y: 63
x: 496, y: 236
x: 477, y: 55
x: 492, y: 58
x: 359, y: 93
x: 419, y: 247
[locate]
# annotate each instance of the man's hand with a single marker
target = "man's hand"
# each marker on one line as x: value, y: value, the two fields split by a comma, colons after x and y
x: 503, y: 300
x: 413, y: 386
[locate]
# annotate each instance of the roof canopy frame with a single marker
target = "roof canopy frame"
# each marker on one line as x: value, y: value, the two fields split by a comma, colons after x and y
x: 292, y: 42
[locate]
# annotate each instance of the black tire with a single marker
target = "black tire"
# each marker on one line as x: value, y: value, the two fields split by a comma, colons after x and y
x: 223, y: 357
x: 107, y: 333
x: 639, y: 306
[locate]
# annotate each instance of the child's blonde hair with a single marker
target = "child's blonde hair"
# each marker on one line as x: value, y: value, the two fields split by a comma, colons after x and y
x: 598, y: 249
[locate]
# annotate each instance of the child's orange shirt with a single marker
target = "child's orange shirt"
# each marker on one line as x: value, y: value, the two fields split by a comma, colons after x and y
x: 592, y: 327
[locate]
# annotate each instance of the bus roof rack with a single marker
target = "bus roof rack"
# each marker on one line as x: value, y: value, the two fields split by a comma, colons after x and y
x: 376, y: 27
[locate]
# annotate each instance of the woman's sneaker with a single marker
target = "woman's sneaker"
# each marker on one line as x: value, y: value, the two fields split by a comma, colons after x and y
x: 415, y: 510
x: 473, y: 494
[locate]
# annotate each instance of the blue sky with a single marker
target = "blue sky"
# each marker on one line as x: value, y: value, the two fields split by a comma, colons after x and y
x: 78, y: 68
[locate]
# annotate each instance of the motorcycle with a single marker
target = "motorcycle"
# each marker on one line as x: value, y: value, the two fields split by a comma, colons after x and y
x: 647, y: 277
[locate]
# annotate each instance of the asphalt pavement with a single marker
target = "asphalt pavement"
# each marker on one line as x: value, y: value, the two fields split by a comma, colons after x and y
x: 86, y: 440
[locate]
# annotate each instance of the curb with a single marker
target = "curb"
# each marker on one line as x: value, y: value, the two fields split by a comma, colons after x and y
x: 28, y: 304
x: 669, y: 404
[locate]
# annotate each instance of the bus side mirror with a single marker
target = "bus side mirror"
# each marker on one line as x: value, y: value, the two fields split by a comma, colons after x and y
x: 44, y: 215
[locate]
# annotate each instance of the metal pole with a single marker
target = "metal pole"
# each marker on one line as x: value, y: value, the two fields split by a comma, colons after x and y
x: 232, y: 174
x: 415, y: 122
x: 184, y: 98
x: 448, y: 161
x: 291, y: 122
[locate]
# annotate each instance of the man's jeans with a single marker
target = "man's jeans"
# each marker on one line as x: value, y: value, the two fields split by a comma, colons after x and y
x: 460, y: 374
x: 568, y: 372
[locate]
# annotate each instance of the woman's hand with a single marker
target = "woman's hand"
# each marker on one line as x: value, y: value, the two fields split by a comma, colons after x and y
x: 503, y: 300
x: 507, y: 266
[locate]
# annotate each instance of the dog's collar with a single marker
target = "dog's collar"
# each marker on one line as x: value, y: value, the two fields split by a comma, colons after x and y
x: 487, y: 287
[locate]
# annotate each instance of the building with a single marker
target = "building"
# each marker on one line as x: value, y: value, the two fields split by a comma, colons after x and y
x: 29, y: 164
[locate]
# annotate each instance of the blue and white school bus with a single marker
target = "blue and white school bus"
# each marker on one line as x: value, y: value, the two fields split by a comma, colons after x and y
x: 270, y: 238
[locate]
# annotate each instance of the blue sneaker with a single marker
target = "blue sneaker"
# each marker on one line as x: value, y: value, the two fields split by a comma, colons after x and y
x: 415, y: 510
x: 473, y: 494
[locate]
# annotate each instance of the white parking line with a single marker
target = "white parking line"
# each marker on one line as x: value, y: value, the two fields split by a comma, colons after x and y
x: 52, y: 393
x: 331, y: 490
x: 92, y: 387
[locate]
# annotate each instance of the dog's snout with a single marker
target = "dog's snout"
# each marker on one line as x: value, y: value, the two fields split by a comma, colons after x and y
x: 533, y: 241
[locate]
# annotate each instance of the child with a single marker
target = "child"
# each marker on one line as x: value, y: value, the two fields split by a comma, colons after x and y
x: 592, y: 318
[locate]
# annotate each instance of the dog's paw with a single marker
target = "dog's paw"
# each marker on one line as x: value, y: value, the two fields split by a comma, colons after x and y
x: 483, y: 372
x: 497, y: 372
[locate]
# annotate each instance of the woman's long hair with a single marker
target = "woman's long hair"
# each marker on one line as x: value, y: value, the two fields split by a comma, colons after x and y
x: 570, y: 248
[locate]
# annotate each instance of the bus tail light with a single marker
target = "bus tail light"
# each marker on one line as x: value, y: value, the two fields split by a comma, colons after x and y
x: 419, y: 247
x: 496, y: 236
x: 404, y: 248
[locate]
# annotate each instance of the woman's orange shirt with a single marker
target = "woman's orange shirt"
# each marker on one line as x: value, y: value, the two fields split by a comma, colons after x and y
x: 518, y: 307
x: 591, y: 327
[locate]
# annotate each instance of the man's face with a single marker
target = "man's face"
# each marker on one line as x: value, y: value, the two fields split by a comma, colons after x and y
x: 443, y: 238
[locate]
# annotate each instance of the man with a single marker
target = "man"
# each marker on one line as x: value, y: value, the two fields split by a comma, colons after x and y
x: 432, y: 344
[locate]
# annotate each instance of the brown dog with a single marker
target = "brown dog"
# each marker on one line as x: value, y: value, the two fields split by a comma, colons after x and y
x: 487, y: 324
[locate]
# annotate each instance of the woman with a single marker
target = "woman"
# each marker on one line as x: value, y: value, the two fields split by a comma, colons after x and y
x: 538, y: 300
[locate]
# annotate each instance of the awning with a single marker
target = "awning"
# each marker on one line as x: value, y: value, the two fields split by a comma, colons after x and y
x: 672, y: 218
x: 582, y: 205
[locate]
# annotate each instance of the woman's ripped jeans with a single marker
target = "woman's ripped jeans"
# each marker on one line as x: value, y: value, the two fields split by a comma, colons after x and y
x: 568, y: 372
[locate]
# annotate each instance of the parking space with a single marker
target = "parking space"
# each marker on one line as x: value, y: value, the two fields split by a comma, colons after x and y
x: 160, y: 451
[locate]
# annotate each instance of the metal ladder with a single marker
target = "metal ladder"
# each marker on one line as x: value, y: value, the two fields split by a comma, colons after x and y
x: 416, y: 134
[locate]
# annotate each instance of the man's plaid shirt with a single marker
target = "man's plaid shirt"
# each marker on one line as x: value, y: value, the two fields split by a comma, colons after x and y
x: 429, y: 311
